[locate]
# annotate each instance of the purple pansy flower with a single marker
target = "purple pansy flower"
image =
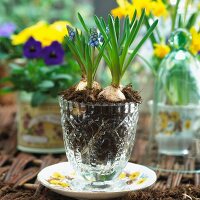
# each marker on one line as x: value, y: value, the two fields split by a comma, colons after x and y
x: 7, y: 29
x: 53, y: 54
x: 32, y: 48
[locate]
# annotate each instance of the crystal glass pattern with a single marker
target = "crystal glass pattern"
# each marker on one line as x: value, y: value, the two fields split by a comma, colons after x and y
x: 98, y: 138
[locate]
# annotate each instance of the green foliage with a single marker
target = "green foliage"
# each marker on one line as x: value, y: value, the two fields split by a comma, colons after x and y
x: 41, y: 80
x: 120, y: 40
x: 7, y: 50
x: 27, y: 12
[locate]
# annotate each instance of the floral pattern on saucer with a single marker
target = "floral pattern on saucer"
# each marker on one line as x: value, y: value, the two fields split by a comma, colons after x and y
x: 59, y: 180
x: 62, y: 179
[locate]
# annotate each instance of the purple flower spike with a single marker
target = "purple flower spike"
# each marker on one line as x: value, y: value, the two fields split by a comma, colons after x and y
x: 32, y: 48
x: 7, y: 29
x: 53, y: 54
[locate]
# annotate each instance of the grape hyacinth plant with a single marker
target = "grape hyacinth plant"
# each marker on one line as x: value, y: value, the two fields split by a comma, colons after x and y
x: 117, y: 51
x: 47, y: 69
x: 111, y: 42
x: 87, y: 50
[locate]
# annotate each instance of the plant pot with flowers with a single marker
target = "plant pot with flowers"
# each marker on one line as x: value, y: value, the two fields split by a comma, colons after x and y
x: 99, y: 125
x: 47, y: 71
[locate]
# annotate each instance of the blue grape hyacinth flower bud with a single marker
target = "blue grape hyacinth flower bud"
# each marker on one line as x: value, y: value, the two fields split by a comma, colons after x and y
x: 94, y: 39
x: 71, y: 32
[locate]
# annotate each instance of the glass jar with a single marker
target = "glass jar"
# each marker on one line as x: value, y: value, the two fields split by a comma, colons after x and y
x: 98, y: 140
x: 177, y: 97
x: 176, y: 106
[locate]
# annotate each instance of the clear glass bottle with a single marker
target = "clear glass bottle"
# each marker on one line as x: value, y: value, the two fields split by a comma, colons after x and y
x: 176, y: 105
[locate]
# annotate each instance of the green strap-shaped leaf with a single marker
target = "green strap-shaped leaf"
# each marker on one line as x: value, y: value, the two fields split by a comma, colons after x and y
x: 192, y: 20
x: 117, y: 27
x: 76, y: 55
x: 103, y: 23
x: 98, y: 58
x: 131, y: 37
x: 133, y: 54
x: 83, y: 23
x: 113, y: 40
x: 152, y: 36
x: 133, y: 18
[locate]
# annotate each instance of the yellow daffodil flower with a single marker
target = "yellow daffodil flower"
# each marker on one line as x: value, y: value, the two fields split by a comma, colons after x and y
x: 195, y: 44
x: 25, y: 34
x: 161, y: 50
x: 141, y: 4
x: 159, y: 8
x: 125, y: 8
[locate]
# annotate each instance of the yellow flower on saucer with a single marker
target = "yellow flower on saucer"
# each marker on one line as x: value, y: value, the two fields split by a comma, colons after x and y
x: 25, y: 34
x: 134, y: 175
x: 161, y: 50
x: 159, y: 8
x: 195, y: 44
x: 59, y: 183
x: 142, y: 180
x: 122, y: 175
x: 58, y: 175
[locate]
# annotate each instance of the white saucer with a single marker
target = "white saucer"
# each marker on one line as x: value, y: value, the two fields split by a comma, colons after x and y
x: 58, y: 177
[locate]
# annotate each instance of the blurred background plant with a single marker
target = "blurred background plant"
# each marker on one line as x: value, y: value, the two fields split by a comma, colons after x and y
x: 172, y: 15
x: 25, y: 13
x: 47, y: 69
x: 7, y: 51
x: 19, y: 14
